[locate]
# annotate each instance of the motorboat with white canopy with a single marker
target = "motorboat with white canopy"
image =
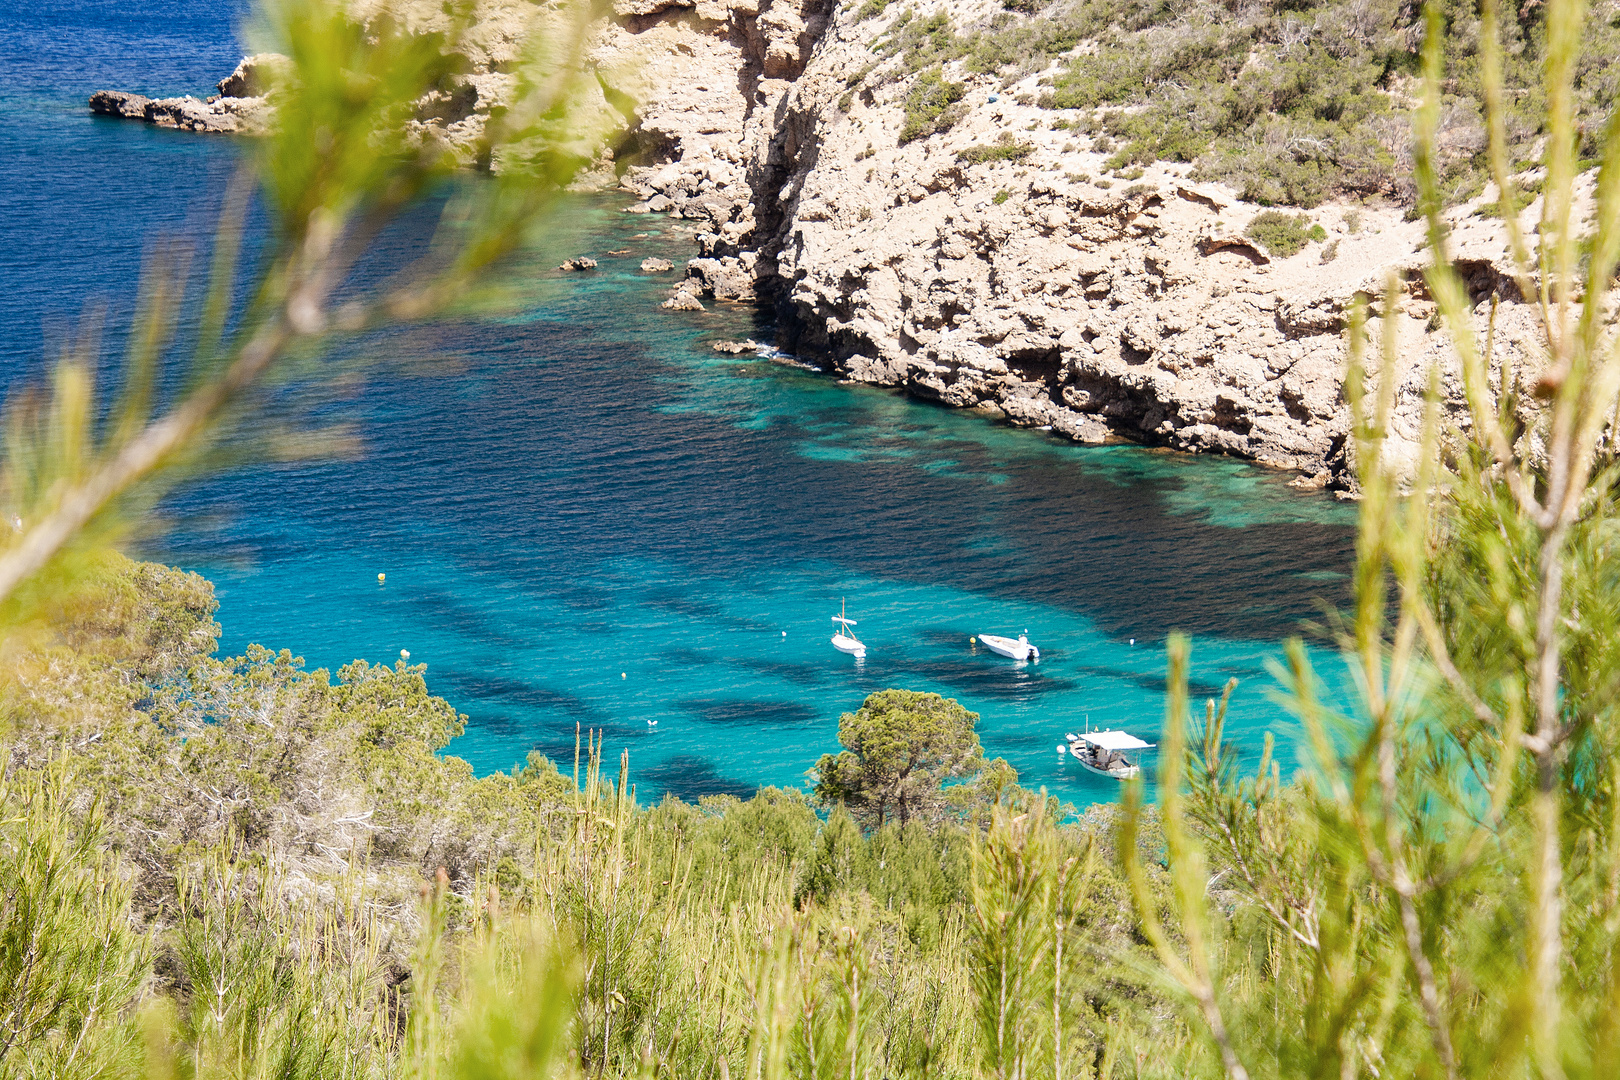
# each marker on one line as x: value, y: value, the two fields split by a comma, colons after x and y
x: 1019, y: 649
x: 1103, y: 752
x: 844, y: 639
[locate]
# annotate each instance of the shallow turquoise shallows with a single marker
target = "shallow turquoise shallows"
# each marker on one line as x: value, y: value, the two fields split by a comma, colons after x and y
x: 586, y: 516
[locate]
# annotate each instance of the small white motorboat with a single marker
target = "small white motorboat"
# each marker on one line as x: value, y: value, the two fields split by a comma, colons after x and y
x: 844, y: 639
x: 1020, y: 649
x: 1103, y: 752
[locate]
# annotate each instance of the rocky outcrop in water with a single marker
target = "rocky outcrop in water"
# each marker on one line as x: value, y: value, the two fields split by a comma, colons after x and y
x: 242, y: 104
x: 118, y: 103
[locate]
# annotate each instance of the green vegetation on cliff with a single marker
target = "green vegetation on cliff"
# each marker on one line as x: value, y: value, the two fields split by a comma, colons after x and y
x: 933, y: 104
x: 1283, y: 234
x: 1289, y: 102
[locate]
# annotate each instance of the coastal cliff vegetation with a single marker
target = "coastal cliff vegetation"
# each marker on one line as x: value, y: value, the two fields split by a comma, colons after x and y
x: 1290, y: 103
x: 241, y: 868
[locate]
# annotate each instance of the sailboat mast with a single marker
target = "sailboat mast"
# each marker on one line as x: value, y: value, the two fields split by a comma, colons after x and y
x: 843, y: 620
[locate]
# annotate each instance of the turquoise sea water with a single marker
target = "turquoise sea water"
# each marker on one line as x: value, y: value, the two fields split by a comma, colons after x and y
x: 588, y: 517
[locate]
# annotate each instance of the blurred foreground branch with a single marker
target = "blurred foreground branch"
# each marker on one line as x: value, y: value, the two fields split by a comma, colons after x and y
x: 336, y: 171
x: 1437, y: 896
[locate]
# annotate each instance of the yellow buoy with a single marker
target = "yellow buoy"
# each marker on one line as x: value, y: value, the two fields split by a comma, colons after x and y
x: 621, y: 674
x: 381, y: 578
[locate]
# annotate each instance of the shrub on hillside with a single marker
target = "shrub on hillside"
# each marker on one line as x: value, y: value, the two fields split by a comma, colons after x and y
x: 923, y: 42
x: 1283, y: 234
x: 932, y: 105
x: 1005, y: 148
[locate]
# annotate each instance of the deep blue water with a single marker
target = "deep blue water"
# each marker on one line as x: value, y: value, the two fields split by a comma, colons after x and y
x: 586, y: 516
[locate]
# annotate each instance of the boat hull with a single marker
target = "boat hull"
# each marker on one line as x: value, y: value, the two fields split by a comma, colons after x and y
x: 849, y: 645
x: 1119, y: 772
x: 1011, y: 648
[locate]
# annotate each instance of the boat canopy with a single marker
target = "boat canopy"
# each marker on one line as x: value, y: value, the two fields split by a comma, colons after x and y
x: 1115, y: 740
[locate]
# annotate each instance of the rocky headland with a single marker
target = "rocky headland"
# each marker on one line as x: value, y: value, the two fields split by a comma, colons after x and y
x: 241, y: 105
x: 992, y: 260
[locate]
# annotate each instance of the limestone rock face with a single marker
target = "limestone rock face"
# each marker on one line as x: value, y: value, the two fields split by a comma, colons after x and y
x: 253, y: 76
x: 709, y: 79
x: 118, y: 103
x: 1040, y: 289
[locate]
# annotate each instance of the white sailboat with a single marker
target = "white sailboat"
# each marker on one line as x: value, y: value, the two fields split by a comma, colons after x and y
x: 844, y: 639
x: 1020, y: 649
x: 1103, y: 752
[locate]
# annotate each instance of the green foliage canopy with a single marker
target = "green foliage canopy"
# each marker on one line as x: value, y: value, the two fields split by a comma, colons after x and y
x: 267, y: 829
x: 900, y: 747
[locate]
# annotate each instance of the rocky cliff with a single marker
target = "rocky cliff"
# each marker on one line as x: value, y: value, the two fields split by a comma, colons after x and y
x: 996, y: 265
x: 987, y: 259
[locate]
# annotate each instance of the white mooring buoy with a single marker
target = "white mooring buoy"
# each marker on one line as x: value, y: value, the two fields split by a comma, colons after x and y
x: 381, y: 578
x: 404, y: 654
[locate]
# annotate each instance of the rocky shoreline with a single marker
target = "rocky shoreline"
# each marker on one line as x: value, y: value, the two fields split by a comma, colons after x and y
x: 994, y: 265
x: 241, y: 105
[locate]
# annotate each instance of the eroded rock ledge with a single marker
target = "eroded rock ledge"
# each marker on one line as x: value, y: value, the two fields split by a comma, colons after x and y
x: 242, y: 104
